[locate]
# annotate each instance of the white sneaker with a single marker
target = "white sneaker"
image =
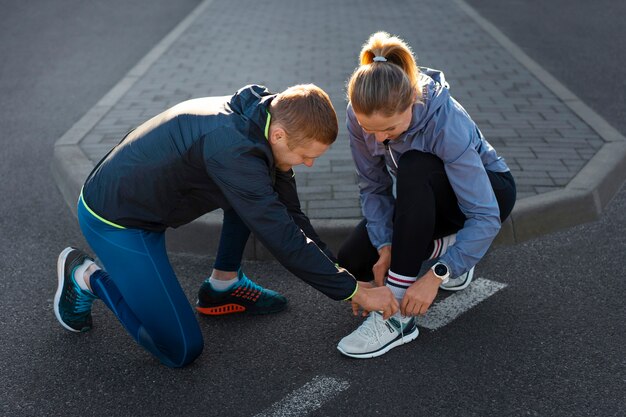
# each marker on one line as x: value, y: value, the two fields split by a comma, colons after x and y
x: 459, y: 283
x: 375, y: 336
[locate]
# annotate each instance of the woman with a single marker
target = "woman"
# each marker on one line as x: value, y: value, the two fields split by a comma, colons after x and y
x: 431, y: 187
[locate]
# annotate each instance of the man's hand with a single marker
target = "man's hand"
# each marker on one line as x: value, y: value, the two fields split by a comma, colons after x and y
x: 375, y: 299
x: 381, y: 268
x: 420, y: 295
x: 355, y: 306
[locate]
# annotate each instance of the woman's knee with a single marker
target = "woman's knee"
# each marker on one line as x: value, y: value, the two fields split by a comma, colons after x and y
x: 357, y: 254
x: 415, y: 164
x: 347, y: 259
x: 504, y: 188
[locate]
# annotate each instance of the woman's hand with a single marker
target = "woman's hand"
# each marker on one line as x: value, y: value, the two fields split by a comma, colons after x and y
x: 420, y: 295
x: 376, y: 299
x: 381, y: 268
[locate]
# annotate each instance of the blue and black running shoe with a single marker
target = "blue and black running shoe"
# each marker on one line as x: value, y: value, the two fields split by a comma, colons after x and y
x: 72, y: 304
x: 245, y: 296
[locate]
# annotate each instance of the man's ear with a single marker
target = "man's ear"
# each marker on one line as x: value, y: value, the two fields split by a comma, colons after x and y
x: 277, y: 134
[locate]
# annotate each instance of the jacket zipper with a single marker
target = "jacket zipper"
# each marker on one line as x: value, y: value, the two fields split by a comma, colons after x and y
x: 386, y: 143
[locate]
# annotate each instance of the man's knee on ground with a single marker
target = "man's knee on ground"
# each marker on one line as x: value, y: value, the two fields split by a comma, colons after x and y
x: 173, y: 351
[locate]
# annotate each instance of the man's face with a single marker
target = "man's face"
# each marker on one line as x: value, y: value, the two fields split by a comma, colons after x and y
x: 305, y: 154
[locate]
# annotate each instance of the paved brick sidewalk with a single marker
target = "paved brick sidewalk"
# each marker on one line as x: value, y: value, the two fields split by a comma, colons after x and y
x: 284, y: 42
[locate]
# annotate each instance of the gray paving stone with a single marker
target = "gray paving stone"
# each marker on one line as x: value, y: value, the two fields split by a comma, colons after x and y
x: 535, y: 174
x: 533, y: 181
x: 541, y: 190
x: 561, y: 182
x: 574, y: 165
x: 335, y: 203
x: 335, y: 213
x: 344, y: 188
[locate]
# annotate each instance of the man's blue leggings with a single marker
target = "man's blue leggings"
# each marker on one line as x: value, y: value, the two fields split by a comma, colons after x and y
x: 141, y: 289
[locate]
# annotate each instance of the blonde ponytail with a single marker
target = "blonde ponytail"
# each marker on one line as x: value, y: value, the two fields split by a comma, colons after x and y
x: 387, y: 80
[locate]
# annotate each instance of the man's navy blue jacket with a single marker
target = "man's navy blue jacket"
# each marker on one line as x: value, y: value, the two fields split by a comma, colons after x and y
x: 205, y: 154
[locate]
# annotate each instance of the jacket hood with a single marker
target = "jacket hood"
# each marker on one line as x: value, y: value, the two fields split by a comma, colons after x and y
x: 251, y: 103
x: 435, y: 93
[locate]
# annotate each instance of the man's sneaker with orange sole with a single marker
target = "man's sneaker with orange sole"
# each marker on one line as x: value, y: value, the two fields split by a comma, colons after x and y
x: 243, y: 297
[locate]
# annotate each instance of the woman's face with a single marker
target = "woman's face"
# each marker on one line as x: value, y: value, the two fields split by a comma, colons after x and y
x: 385, y: 127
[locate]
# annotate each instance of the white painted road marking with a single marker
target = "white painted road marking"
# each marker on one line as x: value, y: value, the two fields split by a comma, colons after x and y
x: 309, y: 397
x: 449, y: 309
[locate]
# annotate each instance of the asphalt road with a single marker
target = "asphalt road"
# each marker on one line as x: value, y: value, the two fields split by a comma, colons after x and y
x: 552, y: 343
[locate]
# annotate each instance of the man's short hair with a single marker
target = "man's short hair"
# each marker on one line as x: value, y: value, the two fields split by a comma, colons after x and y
x: 306, y: 113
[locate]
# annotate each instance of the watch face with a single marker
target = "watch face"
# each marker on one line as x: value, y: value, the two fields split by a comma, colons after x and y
x: 441, y: 270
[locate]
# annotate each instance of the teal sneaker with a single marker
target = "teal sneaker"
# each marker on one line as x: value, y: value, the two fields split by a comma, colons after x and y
x: 72, y: 304
x: 245, y: 296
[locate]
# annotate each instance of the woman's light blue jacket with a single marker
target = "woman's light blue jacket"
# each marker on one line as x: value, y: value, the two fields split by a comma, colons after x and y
x: 442, y: 127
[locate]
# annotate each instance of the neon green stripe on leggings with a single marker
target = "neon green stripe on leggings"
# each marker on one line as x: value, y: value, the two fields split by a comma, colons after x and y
x: 93, y: 213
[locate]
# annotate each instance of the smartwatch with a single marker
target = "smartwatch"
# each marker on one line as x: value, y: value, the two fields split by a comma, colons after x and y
x: 441, y: 271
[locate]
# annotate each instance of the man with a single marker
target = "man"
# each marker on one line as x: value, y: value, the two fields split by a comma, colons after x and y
x: 200, y: 155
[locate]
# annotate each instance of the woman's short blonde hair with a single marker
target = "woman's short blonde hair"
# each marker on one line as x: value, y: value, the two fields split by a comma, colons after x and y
x: 306, y: 113
x: 388, y: 84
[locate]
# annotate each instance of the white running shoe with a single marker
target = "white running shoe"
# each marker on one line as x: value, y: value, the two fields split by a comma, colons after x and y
x: 459, y: 283
x: 375, y: 336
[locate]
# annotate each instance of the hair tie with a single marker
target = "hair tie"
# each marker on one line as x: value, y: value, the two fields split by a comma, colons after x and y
x: 379, y: 58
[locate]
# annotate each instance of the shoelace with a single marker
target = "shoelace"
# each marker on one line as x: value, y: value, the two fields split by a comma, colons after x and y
x: 401, y: 328
x: 82, y: 301
x: 248, y: 284
x: 374, y: 325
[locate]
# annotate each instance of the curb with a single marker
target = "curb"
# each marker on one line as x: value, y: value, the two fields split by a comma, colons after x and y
x: 581, y: 201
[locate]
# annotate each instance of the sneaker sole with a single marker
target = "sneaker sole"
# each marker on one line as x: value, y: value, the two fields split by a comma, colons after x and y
x: 221, y: 310
x: 233, y: 309
x: 61, y: 278
x: 401, y: 341
x: 468, y: 281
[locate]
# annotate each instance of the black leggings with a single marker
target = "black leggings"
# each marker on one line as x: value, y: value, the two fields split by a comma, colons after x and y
x: 426, y: 209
